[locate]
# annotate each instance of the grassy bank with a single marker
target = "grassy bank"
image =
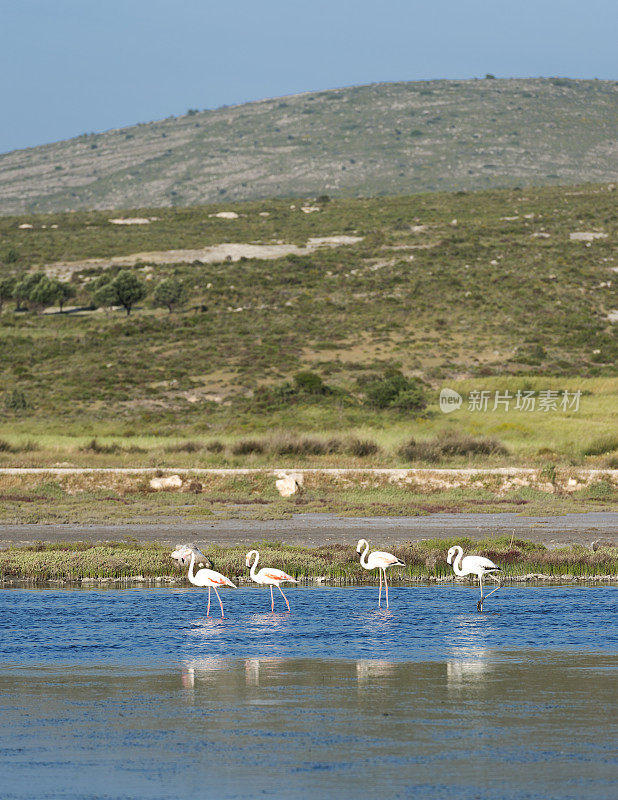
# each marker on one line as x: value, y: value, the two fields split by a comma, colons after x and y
x: 122, y: 497
x: 424, y: 560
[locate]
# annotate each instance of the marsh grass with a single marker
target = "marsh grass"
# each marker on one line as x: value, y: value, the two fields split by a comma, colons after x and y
x: 335, y: 563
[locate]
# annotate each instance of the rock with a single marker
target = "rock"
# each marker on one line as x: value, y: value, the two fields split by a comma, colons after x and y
x: 171, y: 482
x: 289, y: 484
x: 184, y: 559
x: 586, y: 236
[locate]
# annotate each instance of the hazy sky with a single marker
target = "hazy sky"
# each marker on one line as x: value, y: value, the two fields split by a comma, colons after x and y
x: 74, y: 66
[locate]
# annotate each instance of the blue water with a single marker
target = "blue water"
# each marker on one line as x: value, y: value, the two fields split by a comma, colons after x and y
x: 136, y: 694
x: 158, y: 626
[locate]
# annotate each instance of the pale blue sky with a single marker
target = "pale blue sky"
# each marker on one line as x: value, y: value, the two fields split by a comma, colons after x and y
x: 74, y: 66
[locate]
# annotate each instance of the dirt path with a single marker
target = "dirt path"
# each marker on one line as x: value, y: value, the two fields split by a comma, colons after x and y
x: 227, y: 251
x: 313, y: 530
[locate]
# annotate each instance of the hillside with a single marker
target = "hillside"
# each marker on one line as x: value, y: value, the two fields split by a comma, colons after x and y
x: 382, y: 139
x: 492, y: 290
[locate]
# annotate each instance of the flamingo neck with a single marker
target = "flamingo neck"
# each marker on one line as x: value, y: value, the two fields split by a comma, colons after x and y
x: 457, y: 563
x: 254, y: 565
x: 191, y: 576
x: 364, y: 554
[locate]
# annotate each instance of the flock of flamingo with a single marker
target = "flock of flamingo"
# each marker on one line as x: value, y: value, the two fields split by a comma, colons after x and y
x: 271, y: 576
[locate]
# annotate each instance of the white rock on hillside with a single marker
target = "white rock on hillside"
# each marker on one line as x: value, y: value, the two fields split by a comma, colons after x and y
x: 586, y: 236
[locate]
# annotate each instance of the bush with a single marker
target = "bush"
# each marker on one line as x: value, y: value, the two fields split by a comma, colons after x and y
x: 599, y: 447
x: 361, y: 447
x: 16, y: 400
x: 310, y: 383
x: 601, y: 490
x: 450, y: 444
x: 394, y: 390
x: 305, y: 447
x: 96, y: 447
x: 247, y: 446
x: 215, y: 446
x: 184, y: 447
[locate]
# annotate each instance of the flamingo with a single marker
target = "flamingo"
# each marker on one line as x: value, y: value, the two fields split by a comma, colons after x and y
x: 474, y: 565
x: 378, y: 560
x: 203, y: 577
x: 269, y: 577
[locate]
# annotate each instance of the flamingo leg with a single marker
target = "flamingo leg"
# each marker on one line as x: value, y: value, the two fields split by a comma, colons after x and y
x: 491, y: 575
x: 284, y: 597
x: 208, y: 609
x: 380, y: 595
x: 386, y: 587
x: 220, y: 603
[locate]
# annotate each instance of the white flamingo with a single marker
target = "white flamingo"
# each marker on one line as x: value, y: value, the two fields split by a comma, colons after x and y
x: 474, y: 565
x: 205, y: 578
x: 378, y: 560
x: 268, y: 576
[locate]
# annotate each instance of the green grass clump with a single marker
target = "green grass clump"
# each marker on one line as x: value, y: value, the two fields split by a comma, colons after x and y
x: 425, y: 560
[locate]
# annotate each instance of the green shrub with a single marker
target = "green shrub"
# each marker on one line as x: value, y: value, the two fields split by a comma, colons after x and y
x: 310, y: 383
x: 16, y: 400
x: 599, y: 447
x: 394, y: 390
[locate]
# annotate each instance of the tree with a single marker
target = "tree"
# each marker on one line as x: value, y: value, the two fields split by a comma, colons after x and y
x: 23, y: 288
x: 44, y: 292
x: 103, y: 294
x: 169, y: 293
x: 125, y: 290
x: 7, y: 287
x: 129, y: 289
x: 66, y: 291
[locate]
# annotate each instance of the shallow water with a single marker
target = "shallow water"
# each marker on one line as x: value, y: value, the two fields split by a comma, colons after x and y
x: 135, y: 693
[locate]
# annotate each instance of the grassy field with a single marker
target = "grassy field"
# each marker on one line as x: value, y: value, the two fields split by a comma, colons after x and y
x: 482, y: 291
x: 424, y: 560
x: 389, y: 138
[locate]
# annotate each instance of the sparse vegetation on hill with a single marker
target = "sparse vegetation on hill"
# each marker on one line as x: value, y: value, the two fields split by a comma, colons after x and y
x: 485, y: 291
x: 381, y: 139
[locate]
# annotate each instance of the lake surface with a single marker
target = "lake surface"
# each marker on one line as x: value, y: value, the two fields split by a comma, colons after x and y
x: 135, y: 693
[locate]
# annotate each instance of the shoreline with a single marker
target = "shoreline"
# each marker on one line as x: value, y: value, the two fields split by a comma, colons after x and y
x: 534, y: 580
x: 319, y: 529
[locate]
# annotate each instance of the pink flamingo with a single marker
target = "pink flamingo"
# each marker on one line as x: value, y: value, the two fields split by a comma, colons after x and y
x: 203, y: 577
x: 269, y: 577
x: 378, y: 560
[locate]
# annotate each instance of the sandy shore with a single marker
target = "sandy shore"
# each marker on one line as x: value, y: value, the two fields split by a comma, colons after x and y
x: 313, y: 530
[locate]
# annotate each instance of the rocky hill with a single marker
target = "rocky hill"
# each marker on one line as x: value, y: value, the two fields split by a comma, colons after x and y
x: 394, y: 138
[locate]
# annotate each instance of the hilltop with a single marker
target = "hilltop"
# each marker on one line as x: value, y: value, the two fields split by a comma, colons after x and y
x: 381, y: 139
